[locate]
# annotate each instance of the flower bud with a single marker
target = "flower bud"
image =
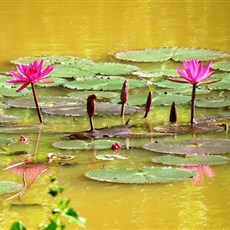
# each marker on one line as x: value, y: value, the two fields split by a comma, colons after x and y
x: 148, y: 105
x: 125, y: 92
x: 173, y: 113
x: 91, y: 105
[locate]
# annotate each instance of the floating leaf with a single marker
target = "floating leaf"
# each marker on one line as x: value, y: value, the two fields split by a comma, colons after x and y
x: 110, y: 157
x: 183, y: 91
x: 82, y: 145
x: 80, y: 109
x: 171, y: 84
x: 188, y: 129
x: 157, y: 73
x: 191, y: 160
x: 70, y: 71
x: 221, y: 65
x: 53, y: 60
x: 177, y: 54
x: 198, y: 54
x: 148, y: 55
x: 11, y: 92
x: 167, y: 100
x: 109, y: 68
x: 99, y: 94
x: 221, y: 85
x: 22, y: 128
x: 9, y: 187
x: 55, y: 82
x: 200, y: 147
x: 223, y: 102
x: 44, y: 102
x: 146, y: 175
x: 8, y: 118
x: 103, y: 83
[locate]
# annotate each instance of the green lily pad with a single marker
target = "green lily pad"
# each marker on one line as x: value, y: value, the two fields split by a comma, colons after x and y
x: 147, y: 55
x: 110, y: 157
x: 222, y: 65
x: 43, y: 102
x: 171, y: 85
x: 221, y: 85
x: 182, y: 129
x: 103, y: 83
x: 199, y: 54
x: 80, y: 109
x: 199, y: 147
x: 9, y: 187
x: 70, y: 71
x: 53, y: 60
x: 25, y: 129
x: 109, y: 68
x: 11, y: 92
x: 4, y: 141
x: 223, y: 102
x: 177, y: 54
x: 191, y: 160
x: 183, y: 91
x: 99, y: 94
x: 55, y: 82
x: 8, y: 118
x: 82, y: 145
x: 156, y: 73
x: 146, y: 175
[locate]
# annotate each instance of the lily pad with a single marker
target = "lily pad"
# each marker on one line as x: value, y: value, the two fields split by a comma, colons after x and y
x: 80, y: 109
x: 223, y: 102
x: 8, y: 118
x: 147, y: 55
x: 11, y: 92
x: 177, y: 54
x: 171, y: 85
x: 183, y: 91
x: 53, y: 60
x: 146, y: 175
x: 199, y: 54
x: 191, y: 160
x: 43, y: 101
x: 224, y: 84
x: 199, y: 147
x: 103, y: 83
x: 4, y: 141
x: 9, y: 187
x: 199, y: 128
x: 221, y: 65
x: 156, y: 73
x: 82, y: 145
x: 99, y: 94
x: 110, y: 157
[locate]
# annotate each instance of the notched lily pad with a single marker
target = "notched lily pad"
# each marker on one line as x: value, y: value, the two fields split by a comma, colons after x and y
x: 223, y: 102
x: 146, y: 175
x: 82, y: 145
x: 100, y: 94
x: 171, y: 85
x: 199, y: 147
x: 103, y: 83
x: 188, y: 129
x: 191, y: 160
x: 9, y: 187
x: 111, y: 157
x: 8, y: 119
x: 222, y: 65
x: 156, y: 73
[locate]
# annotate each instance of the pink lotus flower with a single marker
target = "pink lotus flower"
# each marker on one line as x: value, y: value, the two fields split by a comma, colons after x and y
x: 32, y: 73
x: 194, y: 73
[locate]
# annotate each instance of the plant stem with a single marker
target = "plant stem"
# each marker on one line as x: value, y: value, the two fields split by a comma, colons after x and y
x: 193, y: 104
x: 122, y: 109
x: 91, y: 123
x: 36, y: 103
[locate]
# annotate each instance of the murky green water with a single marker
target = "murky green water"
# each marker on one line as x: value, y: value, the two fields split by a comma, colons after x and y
x: 97, y: 29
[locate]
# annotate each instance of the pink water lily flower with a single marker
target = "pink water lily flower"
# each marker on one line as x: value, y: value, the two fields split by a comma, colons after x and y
x: 31, y: 73
x: 194, y: 72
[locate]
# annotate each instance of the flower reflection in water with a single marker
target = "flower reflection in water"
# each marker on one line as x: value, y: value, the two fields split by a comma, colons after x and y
x: 203, y: 171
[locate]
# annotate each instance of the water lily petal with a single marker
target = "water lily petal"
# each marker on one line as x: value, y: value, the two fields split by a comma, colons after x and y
x: 23, y: 86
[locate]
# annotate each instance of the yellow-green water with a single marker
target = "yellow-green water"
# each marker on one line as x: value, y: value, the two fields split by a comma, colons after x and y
x: 97, y: 29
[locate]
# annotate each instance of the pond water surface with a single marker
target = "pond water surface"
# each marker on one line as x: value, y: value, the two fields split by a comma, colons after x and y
x: 96, y: 30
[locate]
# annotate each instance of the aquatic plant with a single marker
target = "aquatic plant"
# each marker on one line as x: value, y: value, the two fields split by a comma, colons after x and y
x: 124, y: 96
x: 148, y: 105
x: 194, y: 74
x: 31, y: 74
x: 91, y: 109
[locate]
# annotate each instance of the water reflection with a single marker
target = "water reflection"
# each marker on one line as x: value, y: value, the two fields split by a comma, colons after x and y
x: 28, y: 169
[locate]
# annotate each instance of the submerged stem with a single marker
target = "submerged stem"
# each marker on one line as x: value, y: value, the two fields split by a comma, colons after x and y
x: 193, y: 104
x: 36, y: 103
x: 91, y: 123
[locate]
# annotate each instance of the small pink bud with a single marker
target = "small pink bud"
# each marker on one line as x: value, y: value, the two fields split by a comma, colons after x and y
x: 23, y: 139
x: 116, y: 147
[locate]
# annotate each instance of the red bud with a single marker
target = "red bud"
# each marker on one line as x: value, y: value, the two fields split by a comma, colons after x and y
x: 125, y: 92
x: 91, y: 105
x: 148, y: 105
x: 173, y: 113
